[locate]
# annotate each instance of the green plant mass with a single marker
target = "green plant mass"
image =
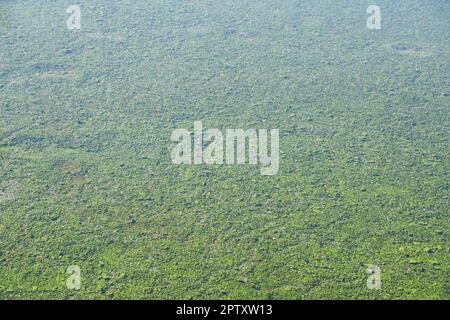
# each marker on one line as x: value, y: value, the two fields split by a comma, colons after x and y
x: 88, y: 187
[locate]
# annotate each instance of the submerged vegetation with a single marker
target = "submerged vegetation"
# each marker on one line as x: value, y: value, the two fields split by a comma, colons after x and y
x: 86, y: 177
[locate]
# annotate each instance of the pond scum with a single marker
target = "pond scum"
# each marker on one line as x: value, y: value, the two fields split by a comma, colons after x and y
x: 87, y: 181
